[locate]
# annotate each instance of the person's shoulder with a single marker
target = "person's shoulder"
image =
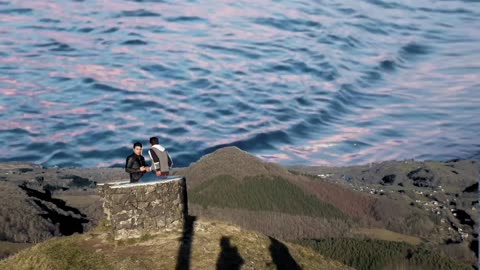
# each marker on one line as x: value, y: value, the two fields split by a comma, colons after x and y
x: 130, y: 156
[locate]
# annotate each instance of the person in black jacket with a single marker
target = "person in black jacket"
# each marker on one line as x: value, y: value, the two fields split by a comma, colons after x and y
x: 135, y: 164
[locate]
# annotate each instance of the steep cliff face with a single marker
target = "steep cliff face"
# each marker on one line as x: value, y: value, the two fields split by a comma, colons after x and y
x: 136, y: 209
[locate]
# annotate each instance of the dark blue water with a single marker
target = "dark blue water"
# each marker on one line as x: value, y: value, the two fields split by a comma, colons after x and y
x: 296, y: 82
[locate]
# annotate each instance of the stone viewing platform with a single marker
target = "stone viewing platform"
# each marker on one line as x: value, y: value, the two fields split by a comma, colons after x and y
x: 137, y: 209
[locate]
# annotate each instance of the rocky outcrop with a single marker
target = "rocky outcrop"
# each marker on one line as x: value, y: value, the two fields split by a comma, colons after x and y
x: 137, y: 209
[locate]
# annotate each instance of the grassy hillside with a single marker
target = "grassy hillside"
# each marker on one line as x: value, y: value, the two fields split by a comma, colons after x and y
x: 289, y: 227
x: 210, y: 245
x: 261, y: 193
x: 9, y: 248
x: 383, y: 234
x: 248, y: 183
x: 367, y: 254
x: 231, y: 161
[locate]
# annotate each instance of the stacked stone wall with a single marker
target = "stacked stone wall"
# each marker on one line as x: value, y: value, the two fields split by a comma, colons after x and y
x: 136, y: 209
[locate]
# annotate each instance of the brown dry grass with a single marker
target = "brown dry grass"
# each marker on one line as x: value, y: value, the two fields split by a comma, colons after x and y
x: 383, y: 234
x: 231, y: 161
x: 95, y: 250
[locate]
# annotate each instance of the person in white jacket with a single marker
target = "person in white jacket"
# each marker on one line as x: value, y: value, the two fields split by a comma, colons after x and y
x: 161, y: 160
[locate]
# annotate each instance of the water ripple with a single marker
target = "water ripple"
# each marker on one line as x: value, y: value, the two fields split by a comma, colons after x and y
x: 137, y: 13
x: 336, y: 82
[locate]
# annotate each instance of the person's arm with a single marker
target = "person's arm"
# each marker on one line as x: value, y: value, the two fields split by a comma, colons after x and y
x: 155, y: 161
x: 144, y: 167
x: 170, y: 161
x: 129, y: 165
x: 152, y: 167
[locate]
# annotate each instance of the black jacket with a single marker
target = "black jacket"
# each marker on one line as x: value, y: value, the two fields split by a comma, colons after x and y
x: 132, y: 166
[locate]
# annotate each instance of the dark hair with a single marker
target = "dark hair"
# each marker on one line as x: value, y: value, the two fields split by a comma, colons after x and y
x: 137, y: 144
x: 153, y: 140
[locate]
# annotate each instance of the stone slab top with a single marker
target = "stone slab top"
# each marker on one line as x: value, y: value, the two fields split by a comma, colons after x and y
x: 113, y: 183
x: 158, y: 180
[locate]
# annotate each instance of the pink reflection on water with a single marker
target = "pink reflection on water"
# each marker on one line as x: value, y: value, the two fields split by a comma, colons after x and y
x: 10, y: 124
x: 370, y: 114
x: 50, y: 6
x: 227, y: 10
x: 8, y: 18
x: 128, y: 117
x: 332, y: 87
x: 114, y: 127
x: 183, y: 105
x: 77, y: 111
x: 15, y: 83
x: 115, y: 77
x: 21, y: 92
x: 247, y: 135
x: 110, y: 127
x: 70, y: 39
x: 106, y: 164
x: 117, y: 6
x: 276, y: 158
x: 9, y: 92
x: 50, y: 104
x: 315, y: 146
x: 25, y: 61
x: 160, y: 126
x: 386, y: 150
x: 130, y: 126
x: 249, y: 124
x: 98, y: 72
x: 305, y: 151
x: 212, y: 92
x: 99, y: 98
x: 132, y: 85
x: 62, y: 136
x: 189, y: 138
x: 156, y: 83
